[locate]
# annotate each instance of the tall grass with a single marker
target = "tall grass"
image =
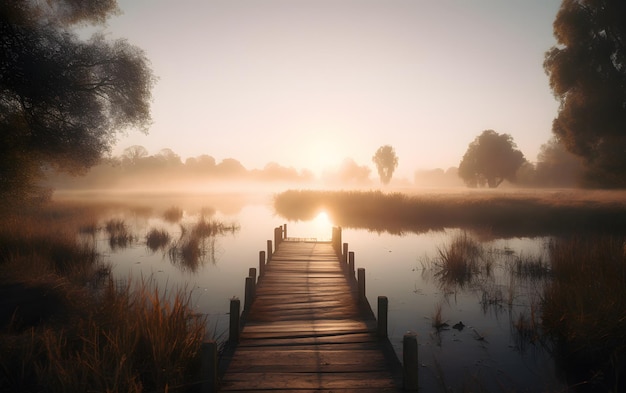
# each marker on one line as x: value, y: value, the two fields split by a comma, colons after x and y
x: 157, y: 239
x: 119, y: 234
x: 173, y: 214
x: 498, y: 212
x: 133, y: 338
x: 61, y: 331
x: 197, y: 241
x: 459, y: 261
x: 584, y: 306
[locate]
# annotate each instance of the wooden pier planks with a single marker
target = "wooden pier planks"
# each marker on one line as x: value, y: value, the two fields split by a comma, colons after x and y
x: 306, y: 332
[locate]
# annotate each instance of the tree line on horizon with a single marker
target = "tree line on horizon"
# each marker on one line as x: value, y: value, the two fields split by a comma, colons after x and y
x: 65, y: 99
x: 135, y: 167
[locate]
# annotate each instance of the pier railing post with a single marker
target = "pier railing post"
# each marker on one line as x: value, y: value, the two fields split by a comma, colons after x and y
x: 361, y: 283
x: 344, y: 256
x: 261, y: 263
x: 337, y: 239
x: 410, y: 360
x: 351, y: 265
x: 249, y: 293
x: 383, y: 312
x: 269, y: 250
x: 284, y: 231
x: 208, y: 367
x: 278, y: 236
x: 233, y: 329
x: 252, y: 274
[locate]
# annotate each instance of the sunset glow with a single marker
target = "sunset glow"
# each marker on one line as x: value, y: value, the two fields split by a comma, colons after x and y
x: 308, y: 84
x: 322, y: 221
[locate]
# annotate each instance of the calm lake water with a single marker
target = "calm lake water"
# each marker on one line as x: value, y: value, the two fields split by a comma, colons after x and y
x: 487, y: 352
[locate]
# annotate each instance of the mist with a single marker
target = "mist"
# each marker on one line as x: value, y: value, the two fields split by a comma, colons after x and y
x: 137, y: 170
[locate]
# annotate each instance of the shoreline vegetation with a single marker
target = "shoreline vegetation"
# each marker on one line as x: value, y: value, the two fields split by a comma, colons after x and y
x: 67, y: 325
x: 577, y: 311
x: 510, y: 213
x: 67, y: 322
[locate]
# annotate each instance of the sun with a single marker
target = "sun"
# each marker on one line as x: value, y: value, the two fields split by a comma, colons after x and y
x: 322, y: 221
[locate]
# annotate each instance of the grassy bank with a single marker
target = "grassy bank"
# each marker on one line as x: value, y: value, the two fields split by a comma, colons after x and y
x: 584, y: 309
x: 578, y: 314
x: 66, y: 325
x: 507, y: 214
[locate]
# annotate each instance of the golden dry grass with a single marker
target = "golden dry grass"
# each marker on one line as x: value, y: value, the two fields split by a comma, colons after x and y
x: 65, y: 325
x: 503, y: 213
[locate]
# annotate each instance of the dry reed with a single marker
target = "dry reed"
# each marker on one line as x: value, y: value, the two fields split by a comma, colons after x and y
x: 60, y: 331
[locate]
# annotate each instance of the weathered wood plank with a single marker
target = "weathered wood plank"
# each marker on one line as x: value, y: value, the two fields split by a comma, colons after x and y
x: 306, y: 332
x: 315, y: 380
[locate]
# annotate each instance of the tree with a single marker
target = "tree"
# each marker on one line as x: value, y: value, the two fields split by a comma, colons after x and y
x: 62, y: 99
x: 386, y: 162
x: 490, y: 159
x: 587, y: 71
x: 133, y: 154
x: 557, y: 167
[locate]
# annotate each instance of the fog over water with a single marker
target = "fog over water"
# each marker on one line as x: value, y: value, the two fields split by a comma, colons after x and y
x: 502, y: 289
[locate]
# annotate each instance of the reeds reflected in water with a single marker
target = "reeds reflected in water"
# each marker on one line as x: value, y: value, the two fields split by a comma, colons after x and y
x: 119, y: 233
x: 197, y: 243
x: 157, y: 239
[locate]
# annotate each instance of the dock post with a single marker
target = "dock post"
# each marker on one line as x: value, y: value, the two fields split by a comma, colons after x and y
x: 278, y: 233
x: 361, y: 283
x: 261, y: 263
x: 252, y: 274
x: 351, y: 265
x: 233, y: 329
x: 410, y: 360
x: 208, y: 368
x: 284, y: 231
x: 383, y: 312
x: 344, y: 256
x: 269, y: 250
x: 337, y: 239
x: 249, y: 293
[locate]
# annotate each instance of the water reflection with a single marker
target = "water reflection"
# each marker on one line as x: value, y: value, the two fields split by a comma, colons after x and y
x: 506, y: 317
x: 197, y: 243
x: 119, y: 234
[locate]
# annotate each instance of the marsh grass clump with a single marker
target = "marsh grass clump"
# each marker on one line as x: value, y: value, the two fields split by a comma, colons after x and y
x: 119, y: 234
x: 52, y: 245
x: 584, y: 305
x: 197, y: 241
x: 531, y: 268
x: 157, y: 239
x: 508, y: 214
x: 174, y: 214
x: 134, y: 338
x: 437, y: 318
x: 460, y: 260
x: 66, y: 326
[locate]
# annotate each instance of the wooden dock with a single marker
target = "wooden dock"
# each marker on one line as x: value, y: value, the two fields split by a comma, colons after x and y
x: 308, y: 328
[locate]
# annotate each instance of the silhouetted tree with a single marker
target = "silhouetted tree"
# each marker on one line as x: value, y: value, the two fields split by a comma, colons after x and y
x: 490, y: 159
x: 386, y: 162
x: 587, y: 71
x: 133, y: 154
x: 352, y: 173
x: 437, y: 178
x: 557, y: 167
x: 230, y: 167
x: 63, y: 100
x: 169, y: 158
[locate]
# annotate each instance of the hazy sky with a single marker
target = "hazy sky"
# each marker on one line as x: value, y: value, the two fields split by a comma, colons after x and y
x: 307, y: 83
